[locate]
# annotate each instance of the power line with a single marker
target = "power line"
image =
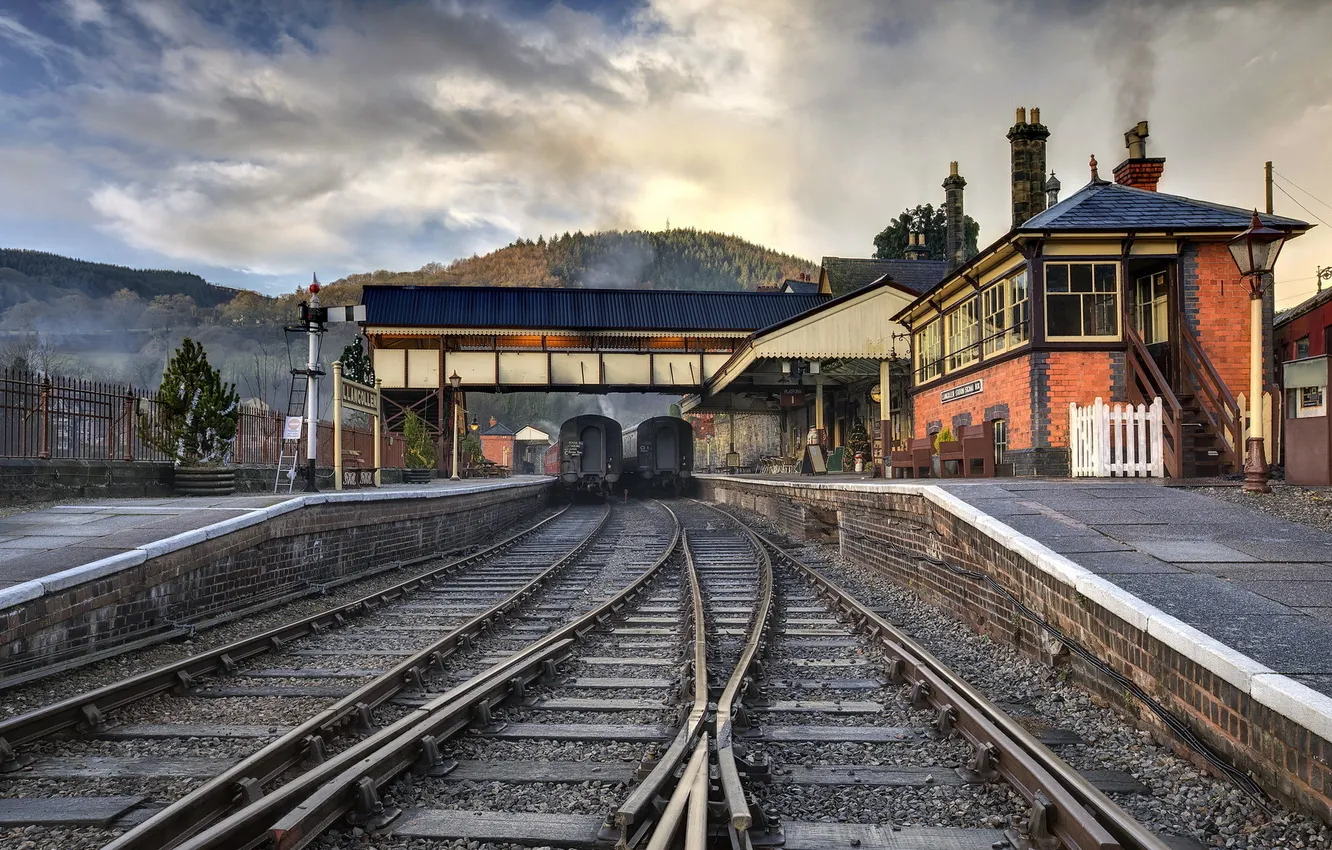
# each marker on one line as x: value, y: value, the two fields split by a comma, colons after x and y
x: 1302, y: 189
x: 1300, y: 205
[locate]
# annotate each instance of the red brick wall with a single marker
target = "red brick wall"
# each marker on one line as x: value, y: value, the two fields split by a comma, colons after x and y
x: 1077, y: 377
x: 1005, y: 383
x: 1223, y: 315
x: 498, y: 450
x: 1060, y: 377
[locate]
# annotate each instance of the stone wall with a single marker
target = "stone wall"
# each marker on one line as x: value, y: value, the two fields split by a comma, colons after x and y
x: 1263, y: 722
x: 240, y: 563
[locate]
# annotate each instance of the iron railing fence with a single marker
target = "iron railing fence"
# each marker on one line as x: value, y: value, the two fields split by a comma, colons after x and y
x: 54, y: 417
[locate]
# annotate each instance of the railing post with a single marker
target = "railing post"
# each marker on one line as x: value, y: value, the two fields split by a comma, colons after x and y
x: 44, y: 448
x: 129, y: 425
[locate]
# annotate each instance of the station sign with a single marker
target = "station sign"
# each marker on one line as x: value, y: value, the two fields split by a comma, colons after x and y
x: 360, y: 397
x: 961, y: 391
x: 792, y: 398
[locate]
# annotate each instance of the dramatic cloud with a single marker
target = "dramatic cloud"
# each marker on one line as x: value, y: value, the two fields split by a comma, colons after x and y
x: 280, y: 137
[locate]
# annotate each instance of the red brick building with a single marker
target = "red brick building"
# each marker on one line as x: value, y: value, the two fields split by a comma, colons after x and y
x: 1119, y: 292
x: 497, y: 442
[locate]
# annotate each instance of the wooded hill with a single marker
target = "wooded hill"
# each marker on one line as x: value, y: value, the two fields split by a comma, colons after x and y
x: 680, y: 258
x: 39, y: 276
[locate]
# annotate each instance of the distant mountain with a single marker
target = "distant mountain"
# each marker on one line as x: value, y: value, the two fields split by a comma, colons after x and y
x: 681, y: 258
x: 39, y: 276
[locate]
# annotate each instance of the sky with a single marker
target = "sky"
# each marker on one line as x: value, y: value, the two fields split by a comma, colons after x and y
x: 257, y: 142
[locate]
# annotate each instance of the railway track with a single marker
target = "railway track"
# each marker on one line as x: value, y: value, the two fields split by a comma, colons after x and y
x: 729, y: 696
x: 212, y: 732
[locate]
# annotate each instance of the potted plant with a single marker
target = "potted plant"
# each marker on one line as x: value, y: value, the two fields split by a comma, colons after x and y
x: 858, y: 442
x: 945, y: 435
x: 419, y: 452
x: 192, y: 420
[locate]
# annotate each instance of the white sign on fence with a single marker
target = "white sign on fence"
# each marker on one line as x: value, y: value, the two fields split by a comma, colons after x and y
x: 291, y: 429
x: 1122, y: 440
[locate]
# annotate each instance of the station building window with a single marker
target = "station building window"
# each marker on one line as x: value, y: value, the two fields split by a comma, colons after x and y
x: 928, y: 352
x: 963, y: 326
x: 1000, y: 439
x: 1081, y: 301
x: 1005, y: 314
x: 1149, y: 308
x: 1302, y: 347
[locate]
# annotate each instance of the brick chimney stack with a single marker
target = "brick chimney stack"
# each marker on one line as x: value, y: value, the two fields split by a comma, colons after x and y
x: 1028, y: 146
x: 954, y: 231
x: 1139, y: 170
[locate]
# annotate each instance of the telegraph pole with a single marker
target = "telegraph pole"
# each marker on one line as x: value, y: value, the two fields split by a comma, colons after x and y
x: 1267, y: 172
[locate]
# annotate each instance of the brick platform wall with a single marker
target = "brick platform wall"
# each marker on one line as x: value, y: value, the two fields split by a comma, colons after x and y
x: 885, y: 531
x: 303, y: 548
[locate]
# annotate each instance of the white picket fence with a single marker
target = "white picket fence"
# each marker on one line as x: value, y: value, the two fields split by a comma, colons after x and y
x: 1118, y: 440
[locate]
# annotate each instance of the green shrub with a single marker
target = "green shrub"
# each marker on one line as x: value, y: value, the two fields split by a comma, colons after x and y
x: 944, y: 436
x: 193, y: 416
x: 419, y: 452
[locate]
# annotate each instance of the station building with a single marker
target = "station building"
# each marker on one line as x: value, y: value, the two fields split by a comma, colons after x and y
x: 1118, y: 291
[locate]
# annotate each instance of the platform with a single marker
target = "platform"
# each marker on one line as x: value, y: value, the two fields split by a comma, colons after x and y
x: 40, y: 545
x: 1220, y: 612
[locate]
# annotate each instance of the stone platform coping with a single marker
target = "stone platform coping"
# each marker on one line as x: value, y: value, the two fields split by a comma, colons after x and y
x: 1291, y: 699
x: 29, y: 590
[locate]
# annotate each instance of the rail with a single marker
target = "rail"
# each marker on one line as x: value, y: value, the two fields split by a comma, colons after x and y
x: 215, y: 798
x: 1065, y: 807
x: 293, y: 815
x: 1145, y: 383
x: 1221, y: 410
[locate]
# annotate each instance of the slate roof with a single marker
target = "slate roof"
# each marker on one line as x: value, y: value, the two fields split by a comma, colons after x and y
x: 580, y: 309
x: 499, y: 429
x: 847, y: 274
x: 800, y: 287
x: 1110, y: 206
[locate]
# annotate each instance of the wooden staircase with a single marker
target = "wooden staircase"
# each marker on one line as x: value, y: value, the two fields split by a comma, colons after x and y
x: 1202, y: 424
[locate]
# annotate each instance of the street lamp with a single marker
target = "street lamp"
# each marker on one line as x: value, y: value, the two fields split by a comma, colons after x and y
x: 1255, y: 252
x: 455, y: 381
x: 476, y: 426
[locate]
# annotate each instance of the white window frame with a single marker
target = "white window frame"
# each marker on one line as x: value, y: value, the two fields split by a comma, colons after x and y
x: 962, y: 332
x: 927, y: 351
x: 1115, y: 291
x: 1157, y: 304
x: 1008, y: 324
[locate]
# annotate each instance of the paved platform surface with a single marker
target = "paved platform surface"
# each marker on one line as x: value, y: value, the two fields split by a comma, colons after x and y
x: 37, y: 544
x: 1259, y: 584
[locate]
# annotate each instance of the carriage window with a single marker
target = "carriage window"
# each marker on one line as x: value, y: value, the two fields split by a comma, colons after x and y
x: 1081, y: 300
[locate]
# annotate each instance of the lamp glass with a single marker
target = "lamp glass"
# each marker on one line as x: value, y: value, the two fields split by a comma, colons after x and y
x: 1255, y: 251
x: 455, y: 381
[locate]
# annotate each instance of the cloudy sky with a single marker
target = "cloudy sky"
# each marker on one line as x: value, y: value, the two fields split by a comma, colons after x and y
x: 254, y: 141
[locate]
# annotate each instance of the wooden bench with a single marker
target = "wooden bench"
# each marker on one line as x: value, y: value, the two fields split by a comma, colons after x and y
x: 914, y: 462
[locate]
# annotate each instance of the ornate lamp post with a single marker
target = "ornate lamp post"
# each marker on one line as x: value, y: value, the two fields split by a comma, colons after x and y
x: 455, y: 381
x: 1255, y: 252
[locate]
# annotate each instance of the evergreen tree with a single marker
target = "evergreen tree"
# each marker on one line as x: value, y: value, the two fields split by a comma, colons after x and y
x: 420, y: 449
x: 891, y: 242
x: 356, y: 363
x: 193, y: 420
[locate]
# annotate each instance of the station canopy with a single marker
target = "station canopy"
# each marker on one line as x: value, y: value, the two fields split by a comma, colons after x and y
x: 727, y: 349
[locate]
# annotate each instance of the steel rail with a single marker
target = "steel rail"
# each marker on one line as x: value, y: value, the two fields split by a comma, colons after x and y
x: 319, y: 809
x: 731, y: 698
x: 297, y: 812
x: 687, y: 807
x: 220, y: 794
x: 639, y: 808
x: 88, y: 709
x: 1064, y: 804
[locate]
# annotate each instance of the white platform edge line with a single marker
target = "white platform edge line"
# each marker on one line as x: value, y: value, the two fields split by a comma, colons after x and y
x: 1276, y: 691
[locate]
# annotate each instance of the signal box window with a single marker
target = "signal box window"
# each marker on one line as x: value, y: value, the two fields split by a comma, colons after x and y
x: 1081, y: 301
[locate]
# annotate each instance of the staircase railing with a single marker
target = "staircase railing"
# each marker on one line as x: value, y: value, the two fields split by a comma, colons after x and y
x: 1145, y: 383
x: 1219, y: 407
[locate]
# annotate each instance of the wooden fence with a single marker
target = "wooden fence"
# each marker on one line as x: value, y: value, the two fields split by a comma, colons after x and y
x: 1120, y: 440
x: 49, y: 417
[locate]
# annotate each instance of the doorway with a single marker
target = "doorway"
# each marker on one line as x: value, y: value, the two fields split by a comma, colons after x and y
x: 1151, y: 312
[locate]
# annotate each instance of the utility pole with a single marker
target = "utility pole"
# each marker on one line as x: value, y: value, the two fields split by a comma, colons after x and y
x: 1267, y: 171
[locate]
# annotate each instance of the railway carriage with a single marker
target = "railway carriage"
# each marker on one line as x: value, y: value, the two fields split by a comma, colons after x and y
x: 589, y: 457
x: 659, y: 454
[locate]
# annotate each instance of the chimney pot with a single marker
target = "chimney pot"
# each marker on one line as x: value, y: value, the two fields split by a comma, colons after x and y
x: 952, y: 169
x: 1139, y: 171
x: 954, y: 230
x: 1021, y: 115
x: 1035, y: 115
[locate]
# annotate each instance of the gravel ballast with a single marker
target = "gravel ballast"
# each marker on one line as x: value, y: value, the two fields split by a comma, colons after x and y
x: 1182, y: 800
x: 1311, y: 506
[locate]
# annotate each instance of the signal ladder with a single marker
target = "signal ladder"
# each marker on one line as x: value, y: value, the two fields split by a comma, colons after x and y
x: 290, y: 457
